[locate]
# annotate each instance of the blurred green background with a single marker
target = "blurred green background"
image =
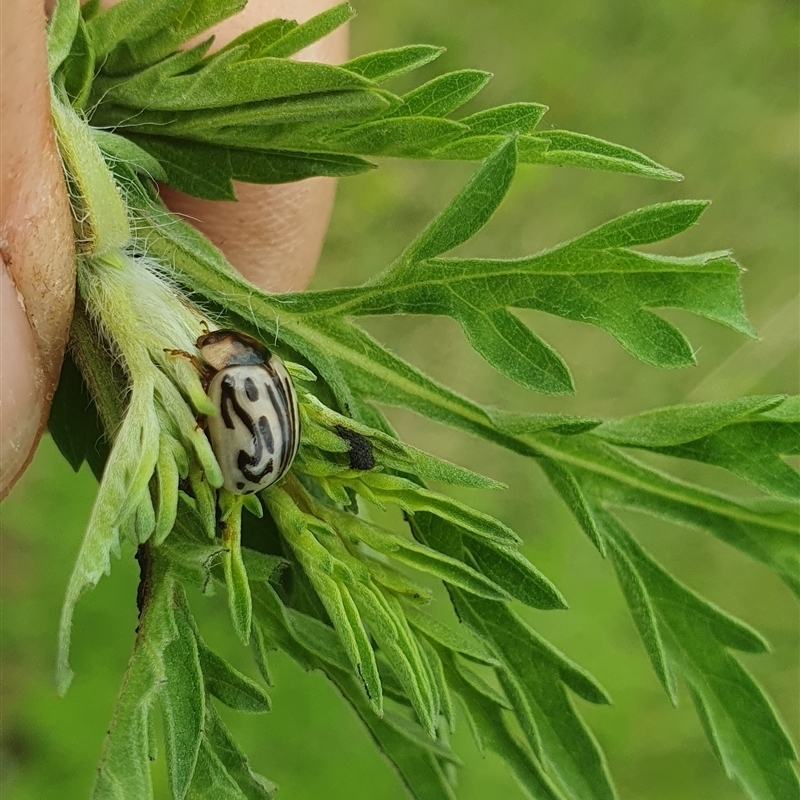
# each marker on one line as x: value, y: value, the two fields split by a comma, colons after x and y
x: 706, y: 87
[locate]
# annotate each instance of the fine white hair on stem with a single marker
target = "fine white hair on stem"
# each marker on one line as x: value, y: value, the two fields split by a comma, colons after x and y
x: 139, y: 308
x: 141, y: 316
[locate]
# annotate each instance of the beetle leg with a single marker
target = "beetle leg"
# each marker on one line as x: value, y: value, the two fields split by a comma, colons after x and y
x: 196, y: 363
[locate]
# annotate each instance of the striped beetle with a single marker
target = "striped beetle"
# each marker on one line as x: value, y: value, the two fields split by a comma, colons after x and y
x: 256, y: 431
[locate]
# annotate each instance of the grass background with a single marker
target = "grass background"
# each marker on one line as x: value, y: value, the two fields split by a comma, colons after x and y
x: 705, y: 87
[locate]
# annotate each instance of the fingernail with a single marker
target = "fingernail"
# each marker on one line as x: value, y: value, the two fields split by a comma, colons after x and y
x: 21, y: 402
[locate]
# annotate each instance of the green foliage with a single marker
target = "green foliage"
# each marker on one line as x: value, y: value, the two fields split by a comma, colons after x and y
x: 247, y: 113
x: 690, y: 636
x: 347, y: 595
x: 746, y: 436
x: 611, y: 286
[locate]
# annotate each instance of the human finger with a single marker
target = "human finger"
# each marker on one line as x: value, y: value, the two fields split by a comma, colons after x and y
x: 273, y: 234
x: 37, y: 269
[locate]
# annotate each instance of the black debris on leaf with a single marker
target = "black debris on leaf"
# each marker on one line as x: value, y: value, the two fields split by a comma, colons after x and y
x: 361, y: 456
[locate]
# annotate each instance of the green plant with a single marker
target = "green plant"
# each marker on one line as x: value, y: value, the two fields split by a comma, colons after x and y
x: 321, y: 579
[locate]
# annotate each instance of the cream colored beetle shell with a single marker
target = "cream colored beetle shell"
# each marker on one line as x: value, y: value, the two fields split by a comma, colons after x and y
x: 256, y: 431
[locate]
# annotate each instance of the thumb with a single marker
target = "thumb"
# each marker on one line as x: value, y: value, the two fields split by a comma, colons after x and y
x: 37, y: 259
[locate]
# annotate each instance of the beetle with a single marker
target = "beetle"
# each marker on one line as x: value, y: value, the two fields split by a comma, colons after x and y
x: 256, y: 431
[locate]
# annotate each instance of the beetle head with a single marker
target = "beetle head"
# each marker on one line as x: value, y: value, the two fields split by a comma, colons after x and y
x: 227, y: 348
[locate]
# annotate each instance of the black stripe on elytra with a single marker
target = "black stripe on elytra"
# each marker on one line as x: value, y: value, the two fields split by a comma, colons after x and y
x: 293, y: 424
x: 228, y: 401
x: 266, y: 431
x: 250, y: 389
x: 279, y: 404
x: 262, y: 437
x: 291, y: 445
x: 284, y: 383
x: 270, y: 368
x: 286, y: 397
x: 259, y: 430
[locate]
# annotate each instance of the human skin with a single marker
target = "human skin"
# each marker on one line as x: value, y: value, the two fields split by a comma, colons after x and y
x: 273, y: 234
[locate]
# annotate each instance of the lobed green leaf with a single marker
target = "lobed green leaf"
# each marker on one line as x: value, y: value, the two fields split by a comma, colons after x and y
x: 384, y: 64
x: 300, y: 36
x: 182, y: 699
x: 767, y: 533
x: 221, y: 82
x: 569, y: 753
x: 208, y: 171
x: 413, y: 498
x: 491, y: 731
x: 681, y: 424
x: 741, y: 725
x: 61, y: 32
x: 164, y: 32
x: 514, y: 118
x: 515, y: 574
x: 230, y: 686
x: 579, y: 150
x: 74, y: 435
x: 254, y: 42
x: 120, y: 495
x: 211, y: 780
x: 78, y: 68
x: 124, y: 769
x: 252, y: 126
x: 612, y: 287
x: 386, y: 448
x: 131, y: 19
x: 442, y: 95
x: 459, y: 640
x: 252, y: 785
x: 733, y: 434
